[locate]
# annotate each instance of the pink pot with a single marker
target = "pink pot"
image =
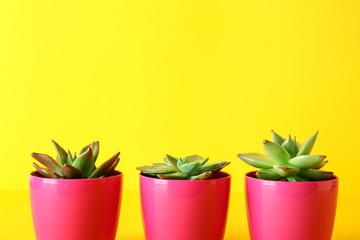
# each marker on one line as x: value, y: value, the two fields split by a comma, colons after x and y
x: 290, y: 210
x: 185, y: 209
x: 75, y: 209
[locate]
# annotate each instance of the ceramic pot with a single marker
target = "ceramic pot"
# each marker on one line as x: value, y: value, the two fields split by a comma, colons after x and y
x: 185, y: 209
x: 76, y: 209
x: 279, y: 210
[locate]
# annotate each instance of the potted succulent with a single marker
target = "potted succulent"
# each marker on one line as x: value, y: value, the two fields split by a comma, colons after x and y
x: 289, y: 197
x: 73, y: 199
x: 184, y: 198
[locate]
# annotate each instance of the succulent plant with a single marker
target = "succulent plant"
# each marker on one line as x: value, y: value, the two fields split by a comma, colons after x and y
x: 188, y: 168
x: 287, y: 160
x: 67, y: 166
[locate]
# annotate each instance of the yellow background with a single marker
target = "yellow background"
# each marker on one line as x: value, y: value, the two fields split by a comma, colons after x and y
x: 180, y: 77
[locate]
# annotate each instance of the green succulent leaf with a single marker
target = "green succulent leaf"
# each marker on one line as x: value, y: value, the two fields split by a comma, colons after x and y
x: 156, y: 169
x: 320, y: 165
x: 276, y: 138
x: 286, y: 171
x: 104, y: 167
x: 92, y: 169
x: 48, y: 162
x: 290, y: 146
x: 307, y: 161
x: 71, y: 172
x: 202, y: 176
x: 176, y: 175
x: 84, y: 162
x: 95, y: 147
x: 297, y: 178
x: 204, y: 161
x: 267, y: 174
x: 44, y: 171
x: 84, y: 149
x: 112, y: 168
x: 179, y: 163
x: 171, y: 161
x: 297, y: 144
x: 257, y: 160
x: 316, y: 175
x: 277, y: 153
x: 308, y: 145
x: 193, y: 158
x: 189, y: 167
x: 60, y: 152
x: 69, y: 158
x: 213, y: 167
x: 57, y: 159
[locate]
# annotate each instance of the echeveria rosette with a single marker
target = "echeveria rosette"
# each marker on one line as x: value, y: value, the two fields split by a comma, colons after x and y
x: 72, y: 167
x: 287, y: 160
x: 192, y: 167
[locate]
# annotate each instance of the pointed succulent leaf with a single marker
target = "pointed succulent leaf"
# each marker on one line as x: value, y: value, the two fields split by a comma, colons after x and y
x: 69, y: 158
x: 297, y: 178
x: 193, y: 158
x: 320, y: 165
x: 267, y: 174
x: 257, y: 160
x: 213, y: 167
x: 74, y: 157
x: 57, y: 159
x: 71, y: 172
x: 60, y: 152
x: 179, y: 163
x: 286, y: 171
x: 290, y: 146
x: 84, y: 162
x: 95, y: 147
x: 277, y: 153
x: 297, y: 144
x: 276, y: 138
x: 176, y: 175
x: 104, y: 167
x: 48, y: 162
x: 189, y: 167
x: 92, y: 169
x: 156, y: 169
x: 171, y: 161
x: 316, y: 175
x: 44, y: 171
x: 307, y: 145
x: 202, y: 176
x: 204, y: 161
x: 84, y: 149
x: 112, y: 168
x: 307, y: 161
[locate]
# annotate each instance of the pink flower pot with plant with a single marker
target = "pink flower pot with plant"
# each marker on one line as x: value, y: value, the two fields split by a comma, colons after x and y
x: 184, y: 199
x: 72, y: 199
x: 289, y: 197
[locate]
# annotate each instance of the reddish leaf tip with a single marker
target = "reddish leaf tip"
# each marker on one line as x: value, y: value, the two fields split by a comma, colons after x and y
x: 265, y: 141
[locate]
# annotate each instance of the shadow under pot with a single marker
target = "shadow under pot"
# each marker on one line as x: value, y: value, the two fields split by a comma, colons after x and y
x: 76, y: 209
x: 279, y: 210
x: 185, y: 209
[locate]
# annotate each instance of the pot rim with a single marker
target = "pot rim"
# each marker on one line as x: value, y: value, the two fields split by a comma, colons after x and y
x: 249, y: 176
x: 224, y: 175
x: 115, y: 174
